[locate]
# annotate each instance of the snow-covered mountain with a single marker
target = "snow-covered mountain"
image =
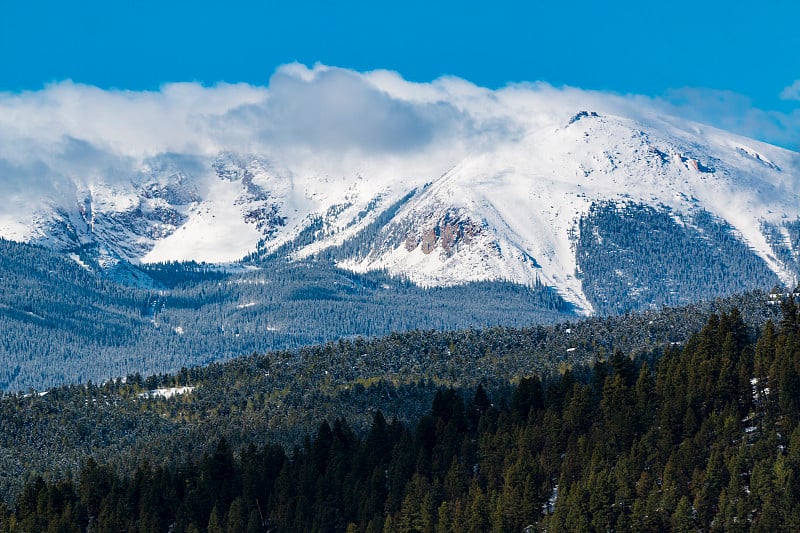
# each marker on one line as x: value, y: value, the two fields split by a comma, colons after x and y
x: 511, y: 211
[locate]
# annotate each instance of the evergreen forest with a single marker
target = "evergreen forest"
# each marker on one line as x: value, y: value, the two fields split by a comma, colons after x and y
x: 634, y: 257
x: 63, y: 324
x: 697, y: 436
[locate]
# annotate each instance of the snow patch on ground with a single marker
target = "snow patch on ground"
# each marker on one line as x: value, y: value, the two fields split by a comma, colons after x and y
x: 77, y: 259
x: 216, y: 231
x: 13, y: 228
x: 167, y: 392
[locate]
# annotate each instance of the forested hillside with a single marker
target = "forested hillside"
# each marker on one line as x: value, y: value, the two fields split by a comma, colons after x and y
x: 633, y: 256
x: 68, y: 321
x: 280, y: 396
x: 61, y: 324
x: 705, y: 437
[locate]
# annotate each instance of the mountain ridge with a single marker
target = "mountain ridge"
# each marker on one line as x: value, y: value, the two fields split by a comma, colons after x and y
x: 512, y: 212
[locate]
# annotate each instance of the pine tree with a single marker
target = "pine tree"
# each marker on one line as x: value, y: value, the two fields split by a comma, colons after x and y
x: 682, y: 520
x: 214, y: 525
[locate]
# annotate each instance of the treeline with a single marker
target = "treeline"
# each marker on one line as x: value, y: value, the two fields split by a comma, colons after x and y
x: 706, y: 439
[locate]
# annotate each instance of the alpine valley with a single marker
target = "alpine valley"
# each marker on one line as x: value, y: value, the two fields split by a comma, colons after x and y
x: 578, y: 210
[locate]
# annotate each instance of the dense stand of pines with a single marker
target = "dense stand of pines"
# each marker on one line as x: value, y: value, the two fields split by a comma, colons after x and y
x: 632, y: 256
x: 706, y: 440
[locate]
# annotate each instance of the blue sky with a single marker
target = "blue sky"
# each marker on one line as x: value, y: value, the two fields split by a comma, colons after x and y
x: 718, y: 61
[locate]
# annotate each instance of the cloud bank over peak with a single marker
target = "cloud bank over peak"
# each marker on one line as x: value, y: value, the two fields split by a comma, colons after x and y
x: 317, y: 120
x: 337, y: 110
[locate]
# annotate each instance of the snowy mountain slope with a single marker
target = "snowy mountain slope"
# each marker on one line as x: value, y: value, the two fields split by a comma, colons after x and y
x: 510, y: 211
x: 518, y: 206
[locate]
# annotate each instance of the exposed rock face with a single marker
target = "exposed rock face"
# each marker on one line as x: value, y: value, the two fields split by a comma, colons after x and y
x: 446, y: 235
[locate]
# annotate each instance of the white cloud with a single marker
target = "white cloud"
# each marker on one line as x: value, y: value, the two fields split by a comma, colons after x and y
x: 126, y: 122
x: 733, y: 112
x: 319, y: 119
x: 339, y: 110
x: 792, y: 92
